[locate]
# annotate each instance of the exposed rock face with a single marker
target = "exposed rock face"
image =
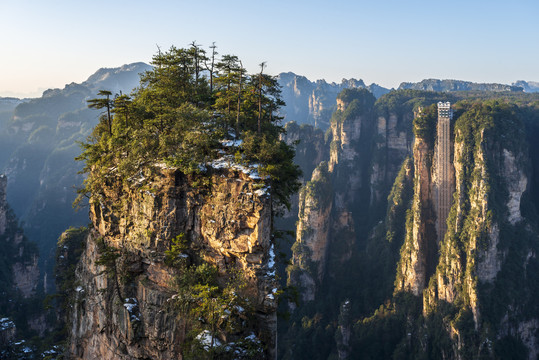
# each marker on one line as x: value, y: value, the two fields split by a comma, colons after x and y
x: 344, y: 331
x: 23, y: 259
x: 345, y: 135
x: 327, y: 202
x: 26, y: 276
x: 19, y: 305
x: 393, y: 143
x: 420, y: 248
x: 3, y: 204
x: 517, y: 182
x: 7, y: 331
x: 309, y: 143
x: 481, y: 257
x: 229, y: 227
x: 310, y: 252
x: 480, y: 246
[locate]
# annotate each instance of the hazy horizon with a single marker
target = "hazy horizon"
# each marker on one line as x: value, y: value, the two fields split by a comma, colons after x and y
x: 48, y: 45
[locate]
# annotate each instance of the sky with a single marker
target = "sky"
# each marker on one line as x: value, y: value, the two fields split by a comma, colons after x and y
x: 49, y: 43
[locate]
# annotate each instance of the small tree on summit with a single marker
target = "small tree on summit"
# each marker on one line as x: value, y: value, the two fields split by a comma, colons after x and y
x: 100, y: 103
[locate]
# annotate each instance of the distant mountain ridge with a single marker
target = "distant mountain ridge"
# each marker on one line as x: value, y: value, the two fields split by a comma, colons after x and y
x: 9, y: 103
x: 117, y: 79
x: 38, y: 144
x: 457, y: 85
x: 313, y: 102
x: 528, y: 86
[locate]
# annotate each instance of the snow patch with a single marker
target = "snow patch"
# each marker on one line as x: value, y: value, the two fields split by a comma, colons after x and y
x: 6, y: 323
x: 205, y: 339
x: 131, y: 305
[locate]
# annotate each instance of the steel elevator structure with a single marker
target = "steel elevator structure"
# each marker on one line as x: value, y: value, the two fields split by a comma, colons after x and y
x: 443, y: 167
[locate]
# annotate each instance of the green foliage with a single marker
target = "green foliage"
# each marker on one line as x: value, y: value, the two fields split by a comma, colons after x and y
x: 275, y: 159
x: 69, y: 248
x: 359, y: 100
x: 175, y: 256
x: 319, y: 190
x: 175, y: 117
x: 398, y: 201
x: 400, y: 102
x: 425, y: 124
x: 221, y: 309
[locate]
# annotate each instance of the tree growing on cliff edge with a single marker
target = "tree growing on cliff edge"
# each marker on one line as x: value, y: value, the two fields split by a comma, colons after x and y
x: 100, y: 103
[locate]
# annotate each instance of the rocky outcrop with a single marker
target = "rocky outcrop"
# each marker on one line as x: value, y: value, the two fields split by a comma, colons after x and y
x: 487, y: 237
x: 328, y: 203
x: 20, y: 254
x: 312, y: 233
x: 309, y: 144
x: 20, y: 313
x: 393, y: 143
x: 125, y: 310
x: 8, y: 331
x: 344, y: 331
x: 3, y: 204
x: 481, y: 260
x: 418, y: 253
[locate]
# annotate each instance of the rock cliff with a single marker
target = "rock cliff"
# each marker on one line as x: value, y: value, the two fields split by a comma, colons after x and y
x: 461, y: 278
x: 20, y: 255
x: 21, y: 316
x: 465, y: 294
x: 328, y: 203
x: 129, y: 305
x: 393, y: 143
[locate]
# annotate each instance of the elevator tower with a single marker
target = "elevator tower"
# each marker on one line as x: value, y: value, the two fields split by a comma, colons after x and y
x: 443, y: 169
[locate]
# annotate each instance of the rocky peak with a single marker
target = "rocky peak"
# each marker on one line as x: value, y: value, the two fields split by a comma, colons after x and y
x: 228, y: 227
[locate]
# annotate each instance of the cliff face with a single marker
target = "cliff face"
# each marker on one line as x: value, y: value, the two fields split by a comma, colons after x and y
x: 393, y: 143
x: 487, y: 238
x: 132, y: 307
x: 420, y: 248
x: 419, y: 253
x: 20, y: 318
x: 312, y: 233
x: 21, y: 255
x: 328, y: 203
x: 466, y: 291
x: 311, y: 150
x: 310, y: 146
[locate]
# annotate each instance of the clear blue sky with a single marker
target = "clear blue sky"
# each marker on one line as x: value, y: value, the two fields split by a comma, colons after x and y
x: 48, y: 43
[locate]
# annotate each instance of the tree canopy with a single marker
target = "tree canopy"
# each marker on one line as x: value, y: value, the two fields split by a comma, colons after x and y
x: 188, y: 111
